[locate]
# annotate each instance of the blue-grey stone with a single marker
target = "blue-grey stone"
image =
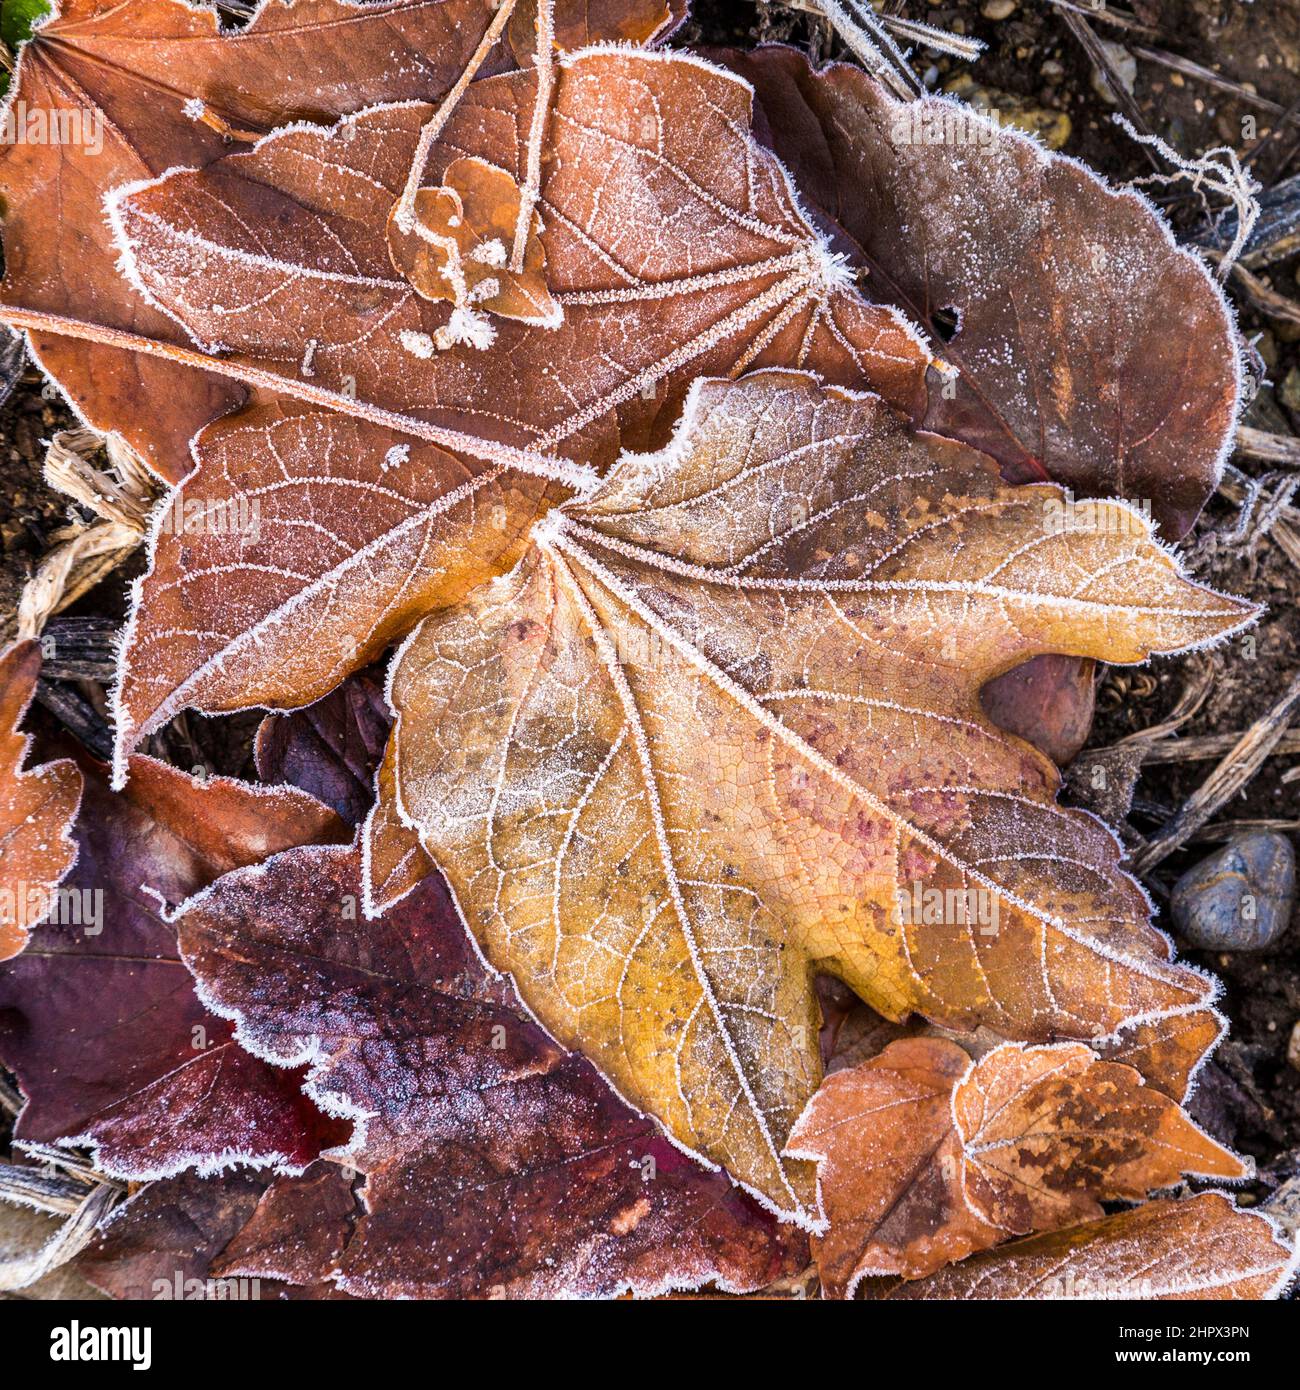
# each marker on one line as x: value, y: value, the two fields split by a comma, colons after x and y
x: 1239, y: 899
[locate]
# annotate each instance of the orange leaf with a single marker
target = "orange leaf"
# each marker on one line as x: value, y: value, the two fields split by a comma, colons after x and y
x: 925, y: 1155
x: 37, y: 808
x: 148, y: 85
x: 1200, y: 1248
x: 674, y: 245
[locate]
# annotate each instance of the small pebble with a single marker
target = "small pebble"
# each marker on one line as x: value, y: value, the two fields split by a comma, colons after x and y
x: 1293, y: 1048
x: 1239, y: 899
x: 998, y: 9
x: 1126, y: 69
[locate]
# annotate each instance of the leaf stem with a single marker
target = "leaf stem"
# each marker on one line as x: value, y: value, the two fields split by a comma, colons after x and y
x: 572, y: 475
x: 531, y: 191
x: 433, y: 128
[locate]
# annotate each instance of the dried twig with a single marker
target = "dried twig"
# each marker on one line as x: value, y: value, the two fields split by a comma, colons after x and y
x: 1242, y: 762
x: 870, y: 43
x: 1102, y: 61
x: 77, y: 715
x: 1193, y: 750
x: 80, y: 649
x: 1109, y: 14
x: 1277, y: 233
x: 1230, y: 829
x: 59, y: 1194
x: 404, y: 214
x: 71, y: 1238
x: 1267, y: 301
x: 1187, y: 68
x: 1268, y: 448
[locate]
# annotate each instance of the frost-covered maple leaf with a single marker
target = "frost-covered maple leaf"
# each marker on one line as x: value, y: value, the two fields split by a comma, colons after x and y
x: 720, y: 730
x: 494, y: 1161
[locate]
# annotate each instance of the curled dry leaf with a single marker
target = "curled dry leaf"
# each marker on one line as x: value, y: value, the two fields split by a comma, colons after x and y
x: 674, y: 246
x: 458, y: 251
x: 165, y: 1240
x: 1092, y: 350
x: 172, y: 1228
x: 98, y: 1017
x: 494, y: 1160
x: 1201, y: 1248
x: 37, y: 808
x: 720, y: 730
x: 925, y: 1155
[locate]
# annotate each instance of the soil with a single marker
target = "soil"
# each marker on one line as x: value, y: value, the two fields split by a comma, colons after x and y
x: 1248, y: 1096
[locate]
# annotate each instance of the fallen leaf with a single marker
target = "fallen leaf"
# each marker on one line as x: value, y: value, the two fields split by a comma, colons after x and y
x: 721, y: 730
x: 495, y: 1162
x: 674, y: 246
x: 925, y: 1155
x: 37, y: 808
x: 148, y: 85
x: 1091, y: 348
x: 98, y: 1017
x: 458, y: 253
x: 1048, y: 701
x: 167, y: 1234
x: 1199, y: 1248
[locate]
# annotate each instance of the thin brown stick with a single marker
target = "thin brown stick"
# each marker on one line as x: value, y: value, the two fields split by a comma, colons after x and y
x: 405, y: 211
x: 1193, y: 750
x: 1261, y: 297
x: 1242, y: 762
x: 1101, y: 60
x: 1174, y: 63
x: 1230, y: 829
x: 1269, y: 448
x: 526, y: 460
x: 532, y: 189
x: 1109, y: 14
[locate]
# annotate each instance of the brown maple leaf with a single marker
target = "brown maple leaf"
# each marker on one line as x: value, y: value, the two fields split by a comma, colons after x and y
x: 37, y: 808
x: 925, y: 1155
x: 149, y: 85
x: 495, y: 1162
x: 1201, y: 1248
x: 720, y: 730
